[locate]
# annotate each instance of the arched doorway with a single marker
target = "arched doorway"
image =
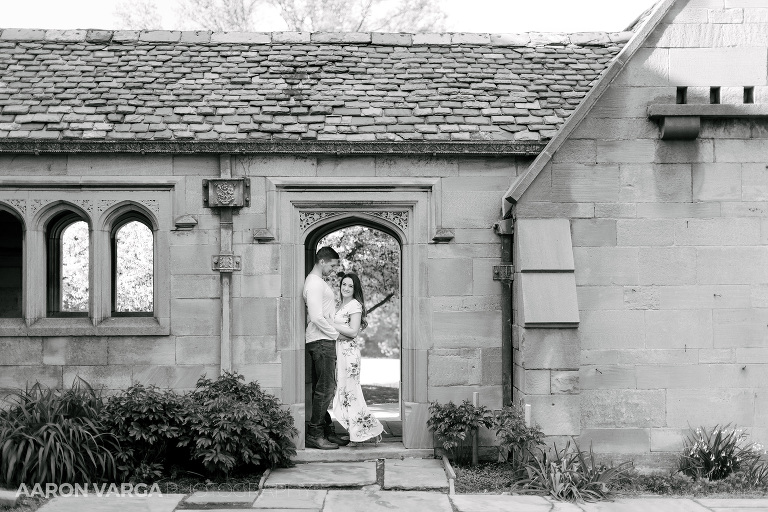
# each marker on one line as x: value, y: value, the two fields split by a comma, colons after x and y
x: 374, y: 251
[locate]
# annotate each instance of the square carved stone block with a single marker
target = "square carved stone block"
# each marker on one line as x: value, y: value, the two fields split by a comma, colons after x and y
x: 227, y: 193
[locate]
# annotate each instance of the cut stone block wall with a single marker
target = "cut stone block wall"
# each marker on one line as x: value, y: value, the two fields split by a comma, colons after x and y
x: 459, y: 306
x: 669, y: 243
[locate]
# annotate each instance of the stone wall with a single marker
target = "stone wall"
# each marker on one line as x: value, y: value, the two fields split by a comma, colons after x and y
x: 459, y: 316
x: 669, y: 243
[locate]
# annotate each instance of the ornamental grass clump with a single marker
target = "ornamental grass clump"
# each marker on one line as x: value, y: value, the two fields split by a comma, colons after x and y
x: 571, y: 474
x: 56, y: 436
x: 454, y: 425
x: 715, y: 453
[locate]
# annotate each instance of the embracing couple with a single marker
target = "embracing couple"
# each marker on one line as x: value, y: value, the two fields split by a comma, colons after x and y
x: 335, y: 357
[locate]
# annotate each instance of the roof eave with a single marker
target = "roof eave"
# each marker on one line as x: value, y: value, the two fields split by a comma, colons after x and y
x: 494, y: 148
x: 521, y: 184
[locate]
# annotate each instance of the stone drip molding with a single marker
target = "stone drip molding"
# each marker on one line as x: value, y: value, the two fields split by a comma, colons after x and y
x: 266, y: 38
x: 308, y: 219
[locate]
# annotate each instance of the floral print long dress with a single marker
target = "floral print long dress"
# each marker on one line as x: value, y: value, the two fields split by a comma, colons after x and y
x: 348, y: 403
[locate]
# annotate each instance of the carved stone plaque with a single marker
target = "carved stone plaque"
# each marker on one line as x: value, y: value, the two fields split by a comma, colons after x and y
x: 227, y: 193
x: 226, y: 263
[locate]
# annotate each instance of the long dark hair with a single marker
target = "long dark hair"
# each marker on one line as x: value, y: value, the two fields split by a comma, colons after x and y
x: 357, y: 294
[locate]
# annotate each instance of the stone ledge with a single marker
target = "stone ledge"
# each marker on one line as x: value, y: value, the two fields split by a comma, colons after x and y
x: 374, y: 38
x: 707, y: 110
x: 81, y: 326
x: 683, y: 121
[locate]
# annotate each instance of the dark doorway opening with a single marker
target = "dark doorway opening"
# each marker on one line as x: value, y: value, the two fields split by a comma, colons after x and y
x: 374, y: 252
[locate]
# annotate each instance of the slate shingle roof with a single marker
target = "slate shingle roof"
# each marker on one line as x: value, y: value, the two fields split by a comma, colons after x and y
x: 198, y: 86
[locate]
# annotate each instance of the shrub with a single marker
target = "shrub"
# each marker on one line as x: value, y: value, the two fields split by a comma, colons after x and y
x: 714, y: 454
x: 232, y: 425
x: 147, y: 423
x: 56, y: 436
x: 517, y: 441
x: 571, y: 475
x: 454, y: 426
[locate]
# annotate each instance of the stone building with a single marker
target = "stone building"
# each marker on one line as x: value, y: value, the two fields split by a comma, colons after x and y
x: 580, y: 216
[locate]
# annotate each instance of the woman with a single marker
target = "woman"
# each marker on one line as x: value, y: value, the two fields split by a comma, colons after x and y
x: 348, y: 404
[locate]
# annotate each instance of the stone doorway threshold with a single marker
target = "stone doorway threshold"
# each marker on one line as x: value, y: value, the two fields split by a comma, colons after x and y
x: 363, y: 452
x: 390, y: 447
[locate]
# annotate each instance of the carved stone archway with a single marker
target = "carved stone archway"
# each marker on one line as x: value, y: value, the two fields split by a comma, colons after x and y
x: 318, y: 225
x: 299, y: 207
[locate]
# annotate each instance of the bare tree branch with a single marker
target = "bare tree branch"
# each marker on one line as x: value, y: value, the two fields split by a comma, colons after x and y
x: 381, y: 303
x: 219, y: 15
x: 361, y: 15
x: 137, y: 15
x: 299, y: 15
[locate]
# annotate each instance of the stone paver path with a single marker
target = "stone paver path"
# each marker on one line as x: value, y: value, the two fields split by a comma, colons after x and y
x: 207, y: 499
x: 415, y: 474
x: 298, y: 500
x: 373, y: 500
x: 745, y: 505
x: 386, y: 501
x: 164, y: 503
x: 496, y: 503
x: 644, y: 505
x: 324, y: 474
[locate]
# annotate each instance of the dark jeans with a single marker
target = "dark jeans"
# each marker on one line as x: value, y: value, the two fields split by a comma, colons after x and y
x: 322, y: 353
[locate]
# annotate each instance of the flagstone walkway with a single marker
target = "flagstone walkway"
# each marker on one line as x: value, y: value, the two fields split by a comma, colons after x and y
x: 377, y: 486
x: 374, y: 500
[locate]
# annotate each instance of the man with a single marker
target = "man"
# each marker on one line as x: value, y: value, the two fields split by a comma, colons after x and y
x: 321, y: 339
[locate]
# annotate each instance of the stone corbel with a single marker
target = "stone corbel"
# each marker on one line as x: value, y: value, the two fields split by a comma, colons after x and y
x: 185, y: 222
x: 443, y: 235
x: 263, y: 235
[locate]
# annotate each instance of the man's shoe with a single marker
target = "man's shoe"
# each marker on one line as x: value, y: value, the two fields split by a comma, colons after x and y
x: 336, y: 439
x: 320, y: 443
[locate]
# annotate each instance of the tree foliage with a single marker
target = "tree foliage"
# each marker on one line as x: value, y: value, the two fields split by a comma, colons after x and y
x: 375, y: 257
x: 74, y: 268
x: 219, y: 15
x: 138, y: 15
x: 135, y: 269
x: 299, y: 15
x: 361, y: 15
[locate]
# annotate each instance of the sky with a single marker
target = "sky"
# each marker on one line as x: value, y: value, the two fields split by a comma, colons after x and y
x: 494, y: 16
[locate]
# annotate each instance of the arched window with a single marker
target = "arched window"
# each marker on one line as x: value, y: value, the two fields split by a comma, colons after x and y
x: 11, y: 257
x: 68, y: 252
x: 132, y: 243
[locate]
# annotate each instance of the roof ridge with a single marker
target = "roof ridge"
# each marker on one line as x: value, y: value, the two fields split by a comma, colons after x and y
x: 372, y: 38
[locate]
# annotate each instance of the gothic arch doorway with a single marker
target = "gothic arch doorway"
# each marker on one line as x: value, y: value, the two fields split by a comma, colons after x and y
x: 374, y: 251
x: 302, y: 208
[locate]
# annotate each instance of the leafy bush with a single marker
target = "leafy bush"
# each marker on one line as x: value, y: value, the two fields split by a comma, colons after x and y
x: 714, y: 454
x: 56, y: 436
x: 454, y: 425
x: 232, y: 425
x: 225, y: 425
x: 517, y: 441
x: 571, y: 475
x: 148, y: 423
